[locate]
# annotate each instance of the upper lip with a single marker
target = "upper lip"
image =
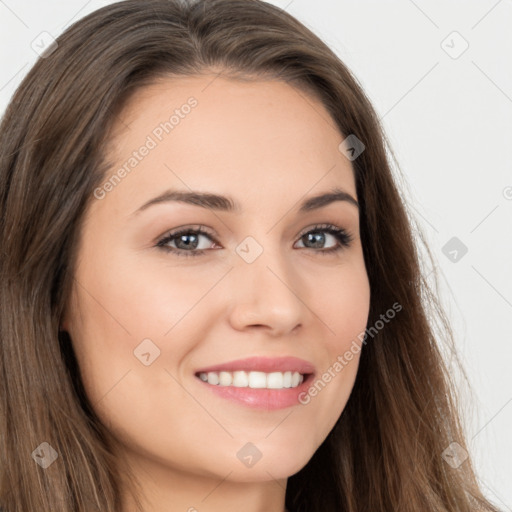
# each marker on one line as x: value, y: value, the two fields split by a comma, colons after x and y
x: 263, y: 364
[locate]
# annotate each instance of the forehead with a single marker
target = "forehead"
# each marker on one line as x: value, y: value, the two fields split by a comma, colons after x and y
x: 214, y: 133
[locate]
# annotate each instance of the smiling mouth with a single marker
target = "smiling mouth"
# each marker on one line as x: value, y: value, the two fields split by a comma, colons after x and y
x: 254, y: 379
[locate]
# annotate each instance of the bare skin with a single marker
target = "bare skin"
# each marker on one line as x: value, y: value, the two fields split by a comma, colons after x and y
x: 269, y: 147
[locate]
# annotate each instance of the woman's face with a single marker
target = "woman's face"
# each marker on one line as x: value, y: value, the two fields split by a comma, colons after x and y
x: 150, y: 315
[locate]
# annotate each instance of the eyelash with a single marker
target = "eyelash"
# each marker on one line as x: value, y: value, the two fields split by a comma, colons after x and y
x: 343, y: 237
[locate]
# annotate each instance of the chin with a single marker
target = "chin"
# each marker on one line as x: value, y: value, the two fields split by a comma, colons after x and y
x: 277, y: 466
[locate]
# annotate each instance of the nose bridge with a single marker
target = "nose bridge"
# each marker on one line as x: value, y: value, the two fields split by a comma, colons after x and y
x: 267, y: 290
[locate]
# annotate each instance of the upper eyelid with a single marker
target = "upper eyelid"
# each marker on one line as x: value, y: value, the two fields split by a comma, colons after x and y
x: 202, y: 227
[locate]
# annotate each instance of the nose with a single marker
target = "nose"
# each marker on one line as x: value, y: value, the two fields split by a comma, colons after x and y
x: 267, y: 294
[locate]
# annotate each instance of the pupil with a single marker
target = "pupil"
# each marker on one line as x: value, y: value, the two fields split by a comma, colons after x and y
x: 319, y: 237
x: 188, y: 243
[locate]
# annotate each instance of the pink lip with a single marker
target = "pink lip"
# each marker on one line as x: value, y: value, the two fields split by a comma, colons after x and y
x: 263, y: 364
x: 267, y: 399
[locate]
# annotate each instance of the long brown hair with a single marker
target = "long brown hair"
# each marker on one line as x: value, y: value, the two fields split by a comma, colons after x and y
x: 386, y: 451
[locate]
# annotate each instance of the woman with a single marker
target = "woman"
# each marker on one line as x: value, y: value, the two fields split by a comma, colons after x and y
x: 143, y: 369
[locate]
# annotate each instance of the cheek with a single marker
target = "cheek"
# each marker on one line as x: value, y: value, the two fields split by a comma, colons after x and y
x: 118, y: 314
x: 124, y: 309
x: 152, y: 295
x: 342, y: 303
x: 127, y: 300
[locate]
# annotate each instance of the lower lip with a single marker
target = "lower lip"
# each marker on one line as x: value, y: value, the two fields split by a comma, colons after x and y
x: 261, y: 398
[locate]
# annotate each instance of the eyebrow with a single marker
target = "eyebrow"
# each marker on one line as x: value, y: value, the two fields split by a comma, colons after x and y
x: 227, y: 204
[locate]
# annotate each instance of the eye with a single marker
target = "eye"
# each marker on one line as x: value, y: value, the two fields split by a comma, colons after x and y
x: 316, y: 237
x: 186, y: 240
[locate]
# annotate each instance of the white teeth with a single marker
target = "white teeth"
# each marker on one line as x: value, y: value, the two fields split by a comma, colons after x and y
x: 213, y: 378
x: 275, y: 380
x: 255, y: 380
x: 225, y: 378
x: 240, y: 379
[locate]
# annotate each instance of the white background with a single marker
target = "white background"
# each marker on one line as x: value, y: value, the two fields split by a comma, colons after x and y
x: 449, y: 121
